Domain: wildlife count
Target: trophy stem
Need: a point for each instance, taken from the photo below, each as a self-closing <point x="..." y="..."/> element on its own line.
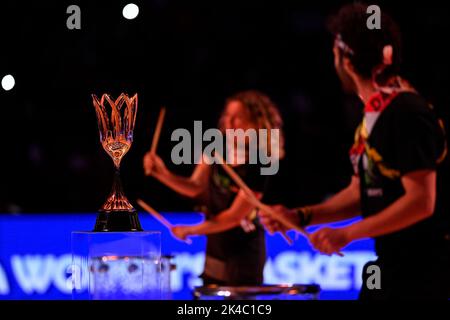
<point x="117" y="214"/>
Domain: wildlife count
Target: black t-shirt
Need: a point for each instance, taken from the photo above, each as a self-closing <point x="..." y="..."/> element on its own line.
<point x="408" y="137"/>
<point x="242" y="253"/>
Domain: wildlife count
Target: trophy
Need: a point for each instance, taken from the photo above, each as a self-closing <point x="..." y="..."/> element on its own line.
<point x="116" y="120"/>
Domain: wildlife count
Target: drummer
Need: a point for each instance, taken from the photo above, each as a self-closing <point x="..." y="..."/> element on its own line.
<point x="398" y="155"/>
<point x="234" y="256"/>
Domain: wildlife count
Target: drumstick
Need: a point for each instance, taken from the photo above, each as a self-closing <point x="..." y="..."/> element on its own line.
<point x="258" y="204"/>
<point x="275" y="215"/>
<point x="155" y="214"/>
<point x="254" y="201"/>
<point x="157" y="134"/>
<point x="158" y="217"/>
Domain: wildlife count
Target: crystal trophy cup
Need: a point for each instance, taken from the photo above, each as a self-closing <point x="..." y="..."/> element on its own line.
<point x="116" y="120"/>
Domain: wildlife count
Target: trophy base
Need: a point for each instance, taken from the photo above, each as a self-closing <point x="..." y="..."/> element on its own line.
<point x="117" y="221"/>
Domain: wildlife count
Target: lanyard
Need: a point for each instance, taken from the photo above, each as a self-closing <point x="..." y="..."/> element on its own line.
<point x="376" y="104"/>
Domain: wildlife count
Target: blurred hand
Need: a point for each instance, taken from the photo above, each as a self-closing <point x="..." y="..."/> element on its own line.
<point x="181" y="232"/>
<point x="273" y="225"/>
<point x="154" y="165"/>
<point x="329" y="240"/>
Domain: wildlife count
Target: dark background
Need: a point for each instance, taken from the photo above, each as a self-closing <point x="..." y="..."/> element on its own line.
<point x="188" y="56"/>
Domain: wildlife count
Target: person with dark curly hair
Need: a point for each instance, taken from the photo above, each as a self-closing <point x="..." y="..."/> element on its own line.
<point x="235" y="249"/>
<point x="397" y="156"/>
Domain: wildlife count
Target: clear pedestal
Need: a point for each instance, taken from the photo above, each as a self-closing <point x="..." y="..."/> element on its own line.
<point x="116" y="265"/>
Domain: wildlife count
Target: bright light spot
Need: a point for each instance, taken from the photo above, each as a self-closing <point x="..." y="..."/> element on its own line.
<point x="130" y="11"/>
<point x="224" y="293"/>
<point x="8" y="82"/>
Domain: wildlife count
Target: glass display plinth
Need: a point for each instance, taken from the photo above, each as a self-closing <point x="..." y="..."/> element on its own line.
<point x="116" y="265"/>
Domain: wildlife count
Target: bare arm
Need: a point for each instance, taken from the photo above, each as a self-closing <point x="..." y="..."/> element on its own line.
<point x="187" y="186"/>
<point x="415" y="205"/>
<point x="191" y="186"/>
<point x="342" y="206"/>
<point x="227" y="219"/>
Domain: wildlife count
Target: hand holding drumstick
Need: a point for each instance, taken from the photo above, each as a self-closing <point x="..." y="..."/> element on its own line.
<point x="316" y="239"/>
<point x="163" y="221"/>
<point x="251" y="196"/>
<point x="287" y="223"/>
